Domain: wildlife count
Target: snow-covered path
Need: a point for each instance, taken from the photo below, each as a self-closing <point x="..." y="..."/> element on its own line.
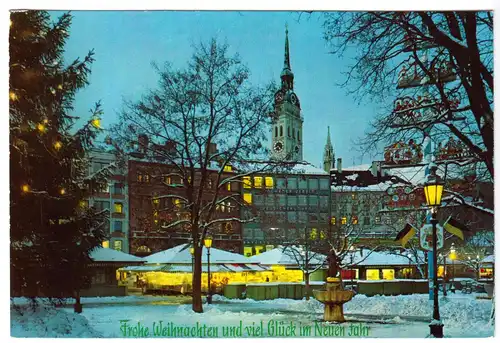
<point x="463" y="316"/>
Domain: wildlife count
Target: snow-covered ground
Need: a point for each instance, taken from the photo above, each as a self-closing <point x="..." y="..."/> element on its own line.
<point x="384" y="316"/>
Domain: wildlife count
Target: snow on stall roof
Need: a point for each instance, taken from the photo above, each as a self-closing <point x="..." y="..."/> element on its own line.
<point x="488" y="259"/>
<point x="181" y="254"/>
<point x="306" y="168"/>
<point x="361" y="167"/>
<point x="110" y="255"/>
<point x="378" y="258"/>
<point x="379" y="187"/>
<point x="277" y="256"/>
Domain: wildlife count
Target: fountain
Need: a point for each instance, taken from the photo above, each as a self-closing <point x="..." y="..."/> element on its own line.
<point x="335" y="295"/>
<point x="334" y="298"/>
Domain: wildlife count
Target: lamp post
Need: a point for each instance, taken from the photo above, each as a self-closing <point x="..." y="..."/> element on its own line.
<point x="191" y="251"/>
<point x="444" y="274"/>
<point x="433" y="190"/>
<point x="453" y="256"/>
<point x="208" y="245"/>
<point x="410" y="271"/>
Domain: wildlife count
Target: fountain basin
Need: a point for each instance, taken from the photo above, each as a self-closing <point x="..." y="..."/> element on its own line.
<point x="334" y="298"/>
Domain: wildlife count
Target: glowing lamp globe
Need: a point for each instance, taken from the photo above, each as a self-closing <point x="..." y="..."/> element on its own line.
<point x="433" y="189"/>
<point x="191" y="250"/>
<point x="208" y="242"/>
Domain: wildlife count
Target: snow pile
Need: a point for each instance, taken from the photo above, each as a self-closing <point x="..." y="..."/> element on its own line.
<point x="47" y="321"/>
<point x="110" y="255"/>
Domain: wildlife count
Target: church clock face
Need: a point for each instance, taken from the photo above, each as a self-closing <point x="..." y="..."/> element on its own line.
<point x="294" y="99"/>
<point x="297" y="149"/>
<point x="279" y="97"/>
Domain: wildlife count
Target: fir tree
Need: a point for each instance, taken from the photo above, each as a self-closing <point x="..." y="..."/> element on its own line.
<point x="52" y="232"/>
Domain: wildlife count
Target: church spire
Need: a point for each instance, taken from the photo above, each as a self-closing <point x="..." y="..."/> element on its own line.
<point x="328" y="154"/>
<point x="286" y="74"/>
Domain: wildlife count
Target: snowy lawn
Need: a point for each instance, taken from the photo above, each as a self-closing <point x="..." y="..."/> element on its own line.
<point x="378" y="316"/>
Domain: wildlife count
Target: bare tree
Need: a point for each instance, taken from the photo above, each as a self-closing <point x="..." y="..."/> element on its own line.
<point x="208" y="124"/>
<point x="451" y="53"/>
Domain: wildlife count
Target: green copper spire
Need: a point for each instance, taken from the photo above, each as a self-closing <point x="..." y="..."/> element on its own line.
<point x="286" y="74"/>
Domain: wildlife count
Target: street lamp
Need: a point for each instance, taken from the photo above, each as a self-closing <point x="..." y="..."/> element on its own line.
<point x="444" y="273"/>
<point x="433" y="190"/>
<point x="453" y="256"/>
<point x="208" y="245"/>
<point x="191" y="251"/>
<point x="410" y="271"/>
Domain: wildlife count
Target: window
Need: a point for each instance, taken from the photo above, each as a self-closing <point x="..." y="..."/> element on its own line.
<point x="118" y="225"/>
<point x="228" y="168"/>
<point x="388" y="274"/>
<point x="257" y="181"/>
<point x="97" y="166"/>
<point x="118" y="188"/>
<point x="269" y="200"/>
<point x="344" y="221"/>
<point x="117" y="245"/>
<point x="259" y="199"/>
<point x="84" y="204"/>
<point x="377" y="220"/>
<point x="269" y="182"/>
<point x="323" y="217"/>
<point x="156" y="203"/>
<point x="323" y="200"/>
<point x="298" y="135"/>
<point x="209" y="183"/>
<point x="313" y="200"/>
<point x="247" y="183"/>
<point x="228" y="186"/>
<point x="292" y="200"/>
<point x="313" y="233"/>
<point x="353" y="196"/>
<point x="247" y="197"/>
<point x="118" y="207"/>
<point x="313" y="217"/>
<point x="281" y="131"/>
<point x="388" y="221"/>
<point x="313" y="184"/>
<point x="302" y="200"/>
<point x="293" y="133"/>
<point x="292" y="217"/>
<point x="281" y="183"/>
<point x="177" y="203"/>
<point x="101" y="205"/>
<point x="105" y="244"/>
<point x="372" y="274"/>
<point x="302" y="217"/>
<point x="275" y="131"/>
<point x="302" y="182"/>
<point x="366" y="221"/>
<point x="292" y="183"/>
<point x="166" y="180"/>
<point x="282" y="199"/>
<point x="288" y="131"/>
<point x="355" y="220"/>
<point x="333" y="220"/>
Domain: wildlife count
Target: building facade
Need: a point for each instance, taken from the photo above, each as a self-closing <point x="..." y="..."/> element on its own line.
<point x="153" y="210"/>
<point x="114" y="198"/>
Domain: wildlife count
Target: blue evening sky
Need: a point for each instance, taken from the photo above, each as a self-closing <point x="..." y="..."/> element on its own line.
<point x="126" y="42"/>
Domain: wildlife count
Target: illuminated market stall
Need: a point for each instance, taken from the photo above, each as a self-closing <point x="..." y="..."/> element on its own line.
<point x="287" y="264"/>
<point x="171" y="270"/>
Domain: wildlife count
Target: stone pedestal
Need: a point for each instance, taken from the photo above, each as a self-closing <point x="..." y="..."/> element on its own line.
<point x="334" y="298"/>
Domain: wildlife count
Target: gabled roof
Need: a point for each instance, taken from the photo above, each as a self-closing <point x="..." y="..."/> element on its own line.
<point x="181" y="254"/>
<point x="279" y="257"/>
<point x="110" y="255"/>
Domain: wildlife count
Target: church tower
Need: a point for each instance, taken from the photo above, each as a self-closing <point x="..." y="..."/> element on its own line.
<point x="287" y="120"/>
<point x="328" y="154"/>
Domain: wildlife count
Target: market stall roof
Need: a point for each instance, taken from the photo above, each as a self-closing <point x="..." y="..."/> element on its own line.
<point x="110" y="255"/>
<point x="141" y="268"/>
<point x="285" y="256"/>
<point x="488" y="259"/>
<point x="181" y="254"/>
<point x="367" y="257"/>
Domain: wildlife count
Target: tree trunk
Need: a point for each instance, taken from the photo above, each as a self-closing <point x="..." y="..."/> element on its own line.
<point x="78" y="306"/>
<point x="196" y="293"/>
<point x="307" y="287"/>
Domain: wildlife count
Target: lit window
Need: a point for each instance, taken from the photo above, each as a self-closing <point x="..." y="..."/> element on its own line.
<point x="257" y="181"/>
<point x="167" y="180"/>
<point x="333" y="220"/>
<point x="388" y="221"/>
<point x="156" y="203"/>
<point x="388" y="274"/>
<point x="355" y="220"/>
<point x="209" y="183"/>
<point x="228" y="206"/>
<point x="228" y="186"/>
<point x="228" y="168"/>
<point x="247" y="183"/>
<point x="322" y="235"/>
<point x="145" y="178"/>
<point x="314" y="234"/>
<point x="247" y="197"/>
<point x="353" y="196"/>
<point x="105" y="244"/>
<point x="117" y="245"/>
<point x="269" y="182"/>
<point x="177" y="203"/>
<point x="118" y="207"/>
<point x="139" y="177"/>
<point x="344" y="220"/>
<point x="118" y="226"/>
<point x="377" y="220"/>
<point x="372" y="274"/>
<point x="155" y="213"/>
<point x="84" y="203"/>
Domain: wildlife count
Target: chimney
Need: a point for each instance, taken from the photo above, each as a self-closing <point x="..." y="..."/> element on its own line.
<point x="339" y="165"/>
